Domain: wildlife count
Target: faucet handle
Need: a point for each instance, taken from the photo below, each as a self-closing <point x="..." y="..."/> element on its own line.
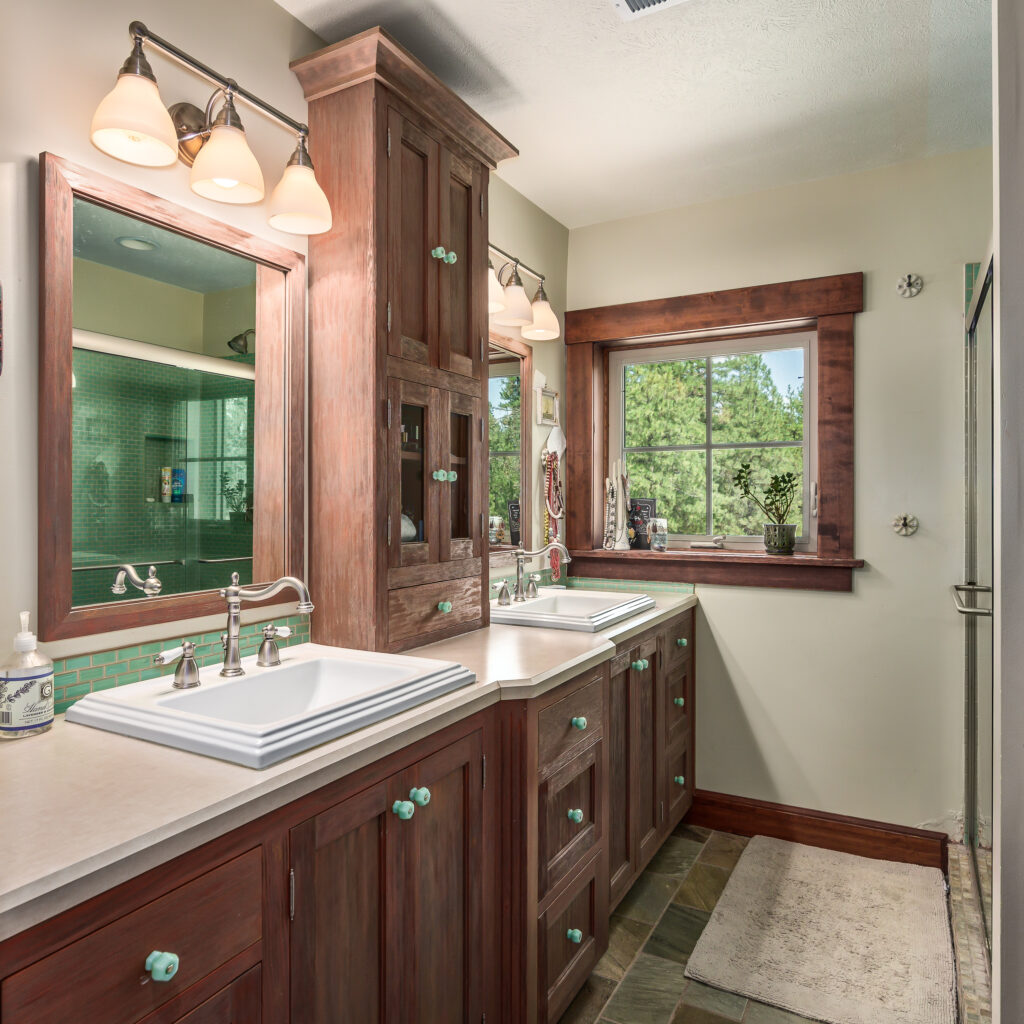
<point x="531" y="586"/>
<point x="166" y="657"/>
<point x="503" y="595"/>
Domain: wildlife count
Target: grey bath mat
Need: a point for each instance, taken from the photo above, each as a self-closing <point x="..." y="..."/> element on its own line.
<point x="831" y="936"/>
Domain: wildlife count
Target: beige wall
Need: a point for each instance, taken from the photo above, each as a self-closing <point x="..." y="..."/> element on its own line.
<point x="226" y="314"/>
<point x="846" y="703"/>
<point x="57" y="60"/>
<point x="526" y="231"/>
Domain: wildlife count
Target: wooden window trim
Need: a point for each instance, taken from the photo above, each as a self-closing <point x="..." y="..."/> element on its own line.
<point x="826" y="303"/>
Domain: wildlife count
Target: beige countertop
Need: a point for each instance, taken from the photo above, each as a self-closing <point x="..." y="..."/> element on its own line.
<point x="83" y="809"/>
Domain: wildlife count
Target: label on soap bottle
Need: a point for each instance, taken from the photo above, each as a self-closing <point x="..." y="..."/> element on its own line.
<point x="26" y="701"/>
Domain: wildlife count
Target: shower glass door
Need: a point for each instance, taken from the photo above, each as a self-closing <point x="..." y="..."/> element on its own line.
<point x="973" y="596"/>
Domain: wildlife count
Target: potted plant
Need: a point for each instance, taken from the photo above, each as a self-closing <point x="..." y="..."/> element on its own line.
<point x="776" y="504"/>
<point x="236" y="496"/>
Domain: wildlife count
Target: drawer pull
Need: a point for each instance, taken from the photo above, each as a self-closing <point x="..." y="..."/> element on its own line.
<point x="574" y="935"/>
<point x="681" y="641"/>
<point x="679" y="701"/>
<point x="579" y="723"/>
<point x="162" y="966"/>
<point x="404" y="809"/>
<point x="680" y="780"/>
<point x="576" y="815"/>
<point x="444" y="607"/>
<point x="420" y="796"/>
<point x="438" y="252"/>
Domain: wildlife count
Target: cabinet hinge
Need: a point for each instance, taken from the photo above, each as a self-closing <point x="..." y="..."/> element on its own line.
<point x="483" y="352"/>
<point x="389" y="143"/>
<point x="481" y="429"/>
<point x="814" y="500"/>
<point x="389" y="317"/>
<point x="291" y="894"/>
<point x="389" y="531"/>
<point x="483" y="523"/>
<point x="481" y="204"/>
<point x="662" y="810"/>
<point x="389" y="414"/>
<point x="483" y="772"/>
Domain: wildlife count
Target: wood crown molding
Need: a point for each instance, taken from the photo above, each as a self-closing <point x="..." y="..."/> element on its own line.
<point x="861" y="836"/>
<point x="374" y="54"/>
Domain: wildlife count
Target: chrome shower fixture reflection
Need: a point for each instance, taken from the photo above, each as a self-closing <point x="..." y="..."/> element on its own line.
<point x="240" y="342"/>
<point x="132" y="124"/>
<point x="150" y="586"/>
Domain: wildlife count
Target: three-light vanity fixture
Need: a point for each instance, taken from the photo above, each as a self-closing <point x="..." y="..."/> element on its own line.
<point x="509" y="306"/>
<point x="132" y="124"/>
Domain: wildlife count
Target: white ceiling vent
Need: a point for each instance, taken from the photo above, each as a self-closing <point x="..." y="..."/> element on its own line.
<point x="630" y="10"/>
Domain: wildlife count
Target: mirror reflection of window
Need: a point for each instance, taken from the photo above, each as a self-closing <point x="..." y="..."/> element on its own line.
<point x="504" y="403"/>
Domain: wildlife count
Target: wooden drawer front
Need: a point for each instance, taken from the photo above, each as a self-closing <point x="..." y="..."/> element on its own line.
<point x="102" y="977"/>
<point x="564" y="965"/>
<point x="414" y="611"/>
<point x="678" y="692"/>
<point x="679" y="765"/>
<point x="237" y="1003"/>
<point x="557" y="735"/>
<point x="577" y="788"/>
<point x="678" y="640"/>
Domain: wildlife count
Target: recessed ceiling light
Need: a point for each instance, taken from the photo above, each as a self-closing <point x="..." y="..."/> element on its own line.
<point x="137" y="244"/>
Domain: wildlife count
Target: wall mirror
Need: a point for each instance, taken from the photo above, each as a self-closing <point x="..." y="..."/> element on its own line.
<point x="171" y="406"/>
<point x="510" y="455"/>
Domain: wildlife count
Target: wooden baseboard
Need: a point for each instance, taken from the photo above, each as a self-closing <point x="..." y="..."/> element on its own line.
<point x="865" y="838"/>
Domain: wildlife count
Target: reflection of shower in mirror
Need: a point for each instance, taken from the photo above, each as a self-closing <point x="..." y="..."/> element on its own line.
<point x="240" y="342"/>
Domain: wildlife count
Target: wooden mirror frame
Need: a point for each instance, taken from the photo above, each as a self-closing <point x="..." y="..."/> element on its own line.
<point x="522" y="352"/>
<point x="279" y="469"/>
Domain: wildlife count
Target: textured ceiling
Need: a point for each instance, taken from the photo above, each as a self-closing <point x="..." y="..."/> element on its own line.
<point x="705" y="99"/>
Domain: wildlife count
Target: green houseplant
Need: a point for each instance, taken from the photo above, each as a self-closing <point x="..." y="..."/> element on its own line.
<point x="776" y="503"/>
<point x="237" y="497"/>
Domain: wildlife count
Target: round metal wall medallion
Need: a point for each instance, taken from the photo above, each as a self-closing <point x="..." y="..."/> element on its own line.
<point x="905" y="524"/>
<point x="910" y="285"/>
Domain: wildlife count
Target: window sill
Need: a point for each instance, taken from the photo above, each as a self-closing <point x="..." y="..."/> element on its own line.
<point x="729" y="568"/>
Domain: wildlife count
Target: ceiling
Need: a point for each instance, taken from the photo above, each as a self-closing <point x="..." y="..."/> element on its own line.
<point x="174" y="259"/>
<point x="701" y="100"/>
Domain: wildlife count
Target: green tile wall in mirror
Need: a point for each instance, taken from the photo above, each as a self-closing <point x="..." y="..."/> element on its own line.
<point x="173" y="362"/>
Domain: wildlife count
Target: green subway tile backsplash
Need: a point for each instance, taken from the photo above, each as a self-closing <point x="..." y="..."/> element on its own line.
<point x="76" y="676"/>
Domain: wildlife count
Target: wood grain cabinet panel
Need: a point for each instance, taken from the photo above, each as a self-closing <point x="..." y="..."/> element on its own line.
<point x="677" y="699"/>
<point x="571" y="722"/>
<point x="238" y="1003"/>
<point x="205" y="923"/>
<point x="648" y="793"/>
<point x="620" y="727"/>
<point x="413" y="612"/>
<point x="678" y="780"/>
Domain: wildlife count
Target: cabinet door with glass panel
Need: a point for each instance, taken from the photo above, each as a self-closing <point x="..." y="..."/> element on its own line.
<point x="684" y="418"/>
<point x="461" y="516"/>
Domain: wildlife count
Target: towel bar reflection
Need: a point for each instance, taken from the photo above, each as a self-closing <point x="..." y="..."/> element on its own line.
<point x="970" y="588"/>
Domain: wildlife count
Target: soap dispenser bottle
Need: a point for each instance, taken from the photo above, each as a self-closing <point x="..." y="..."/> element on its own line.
<point x="26" y="688"/>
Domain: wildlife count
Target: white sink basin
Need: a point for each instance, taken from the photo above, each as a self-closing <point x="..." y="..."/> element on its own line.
<point x="583" y="610"/>
<point x="316" y="694"/>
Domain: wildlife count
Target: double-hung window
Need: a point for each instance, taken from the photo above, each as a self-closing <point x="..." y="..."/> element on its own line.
<point x="504" y="460"/>
<point x="682" y="419"/>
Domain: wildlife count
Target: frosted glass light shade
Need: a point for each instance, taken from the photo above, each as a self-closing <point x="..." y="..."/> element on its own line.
<point x="132" y="124"/>
<point x="298" y="204"/>
<point x="495" y="293"/>
<point x="517" y="312"/>
<point x="225" y="169"/>
<point x="545" y="323"/>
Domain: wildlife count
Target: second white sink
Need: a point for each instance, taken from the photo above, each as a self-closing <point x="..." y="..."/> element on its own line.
<point x="583" y="610"/>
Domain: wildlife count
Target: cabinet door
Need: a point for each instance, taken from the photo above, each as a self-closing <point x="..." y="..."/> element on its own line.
<point x="440" y="887"/>
<point x="462" y="282"/>
<point x="344" y="932"/>
<point x="647" y="778"/>
<point x="461" y="526"/>
<point x="412" y="215"/>
<point x="619" y="730"/>
<point x="416" y="451"/>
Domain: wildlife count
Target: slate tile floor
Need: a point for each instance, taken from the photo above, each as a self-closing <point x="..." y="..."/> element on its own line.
<point x="653" y="931"/>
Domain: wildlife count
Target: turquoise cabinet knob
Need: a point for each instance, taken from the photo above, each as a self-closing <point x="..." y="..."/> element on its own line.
<point x="420" y="795"/>
<point x="646" y="664"/>
<point x="439" y="474"/>
<point x="450" y="258"/>
<point x="452" y="476"/>
<point x="679" y="701"/>
<point x="404" y="809"/>
<point x="444" y="607"/>
<point x="681" y="641"/>
<point x="680" y="780"/>
<point x="637" y="666"/>
<point x="162" y="966"/>
<point x="438" y="252"/>
<point x="574" y="935"/>
<point x="579" y="723"/>
<point x="576" y="815"/>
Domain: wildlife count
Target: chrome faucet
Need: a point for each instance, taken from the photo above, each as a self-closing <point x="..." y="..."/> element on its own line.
<point x="519" y="594"/>
<point x="150" y="586"/>
<point x="235" y="595"/>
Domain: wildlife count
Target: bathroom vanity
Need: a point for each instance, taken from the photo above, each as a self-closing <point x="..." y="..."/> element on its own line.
<point x="456" y="862"/>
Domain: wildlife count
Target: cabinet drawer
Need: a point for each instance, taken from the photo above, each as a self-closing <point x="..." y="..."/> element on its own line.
<point x="678" y="640"/>
<point x="414" y="611"/>
<point x="237" y="1003"/>
<point x="580" y="912"/>
<point x="205" y="923"/>
<point x="679" y="795"/>
<point x="556" y="733"/>
<point x="678" y="691"/>
<point x="569" y="807"/>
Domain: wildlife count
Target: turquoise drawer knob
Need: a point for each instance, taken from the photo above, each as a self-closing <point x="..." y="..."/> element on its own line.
<point x="579" y="723"/>
<point x="440" y="474"/>
<point x="576" y="815"/>
<point x="679" y="701"/>
<point x="647" y="664"/>
<point x="680" y="780"/>
<point x="450" y="258"/>
<point x="404" y="809"/>
<point x="681" y="641"/>
<point x="637" y="666"/>
<point x="162" y="966"/>
<point x="452" y="476"/>
<point x="438" y="252"/>
<point x="420" y="795"/>
<point x="574" y="935"/>
<point x="444" y="607"/>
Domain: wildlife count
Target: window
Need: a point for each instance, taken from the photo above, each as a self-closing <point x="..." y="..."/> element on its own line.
<point x="683" y="419"/>
<point x="504" y="398"/>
